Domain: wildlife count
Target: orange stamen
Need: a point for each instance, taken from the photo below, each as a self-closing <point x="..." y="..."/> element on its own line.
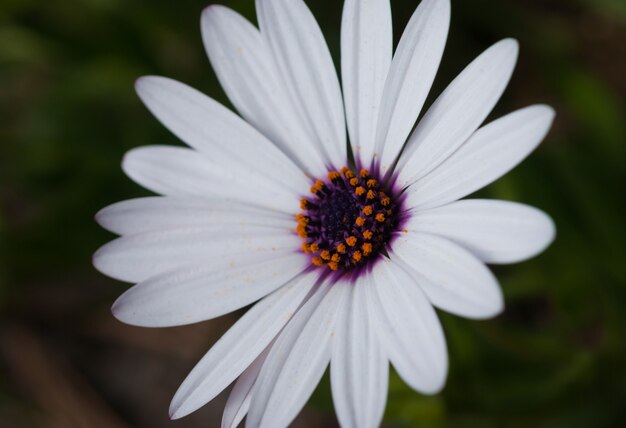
<point x="319" y="185"/>
<point x="359" y="191"/>
<point x="368" y="210"/>
<point x="351" y="241"/>
<point x="380" y="217"/>
<point x="301" y="231"/>
<point x="325" y="255"/>
<point x="367" y="249"/>
<point x="360" y="221"/>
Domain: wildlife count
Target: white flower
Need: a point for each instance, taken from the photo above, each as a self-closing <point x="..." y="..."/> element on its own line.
<point x="378" y="243"/>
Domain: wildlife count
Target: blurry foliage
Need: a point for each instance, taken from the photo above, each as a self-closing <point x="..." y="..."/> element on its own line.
<point x="555" y="358"/>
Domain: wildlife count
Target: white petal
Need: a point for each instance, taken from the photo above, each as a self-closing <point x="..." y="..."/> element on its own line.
<point x="245" y="68"/>
<point x="297" y="360"/>
<point x="306" y="68"/>
<point x="495" y="231"/>
<point x="134" y="258"/>
<point x="177" y="171"/>
<point x="206" y="291"/>
<point x="240" y="346"/>
<point x="409" y="328"/>
<point x="216" y="131"/>
<point x="490" y="153"/>
<point x="366" y="48"/>
<point x="155" y="213"/>
<point x="458" y="111"/>
<point x="411" y="75"/>
<point x="359" y="369"/>
<point x="240" y="397"/>
<point x="453" y="279"/>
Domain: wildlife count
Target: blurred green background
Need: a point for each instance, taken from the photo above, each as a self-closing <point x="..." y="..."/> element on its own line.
<point x="68" y="112"/>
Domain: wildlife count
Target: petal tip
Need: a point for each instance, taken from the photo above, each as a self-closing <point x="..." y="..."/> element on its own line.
<point x="131" y="158"/>
<point x="126" y="312"/>
<point x="436" y="386"/>
<point x="498" y="307"/>
<point x="118" y="309"/>
<point x="210" y="12"/>
<point x="103" y="218"/>
<point x="127" y="161"/>
<point x="543" y="110"/>
<point x="550" y="230"/>
<point x="98" y="217"/>
<point x="98" y="259"/>
<point x="513" y="44"/>
<point x="138" y="83"/>
<point x="146" y="84"/>
<point x="174" y="413"/>
<point x="510" y="42"/>
<point x="506" y="48"/>
<point x="141" y="83"/>
<point x="548" y="109"/>
<point x="177" y="409"/>
<point x="550" y="114"/>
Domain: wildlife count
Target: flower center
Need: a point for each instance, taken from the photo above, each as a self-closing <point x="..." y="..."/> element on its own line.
<point x="347" y="221"/>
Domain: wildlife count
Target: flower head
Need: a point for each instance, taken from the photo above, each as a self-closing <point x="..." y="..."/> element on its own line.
<point x="344" y="226"/>
<point x="346" y="247"/>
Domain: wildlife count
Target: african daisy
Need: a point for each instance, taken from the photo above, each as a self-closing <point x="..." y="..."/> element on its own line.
<point x="346" y="244"/>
